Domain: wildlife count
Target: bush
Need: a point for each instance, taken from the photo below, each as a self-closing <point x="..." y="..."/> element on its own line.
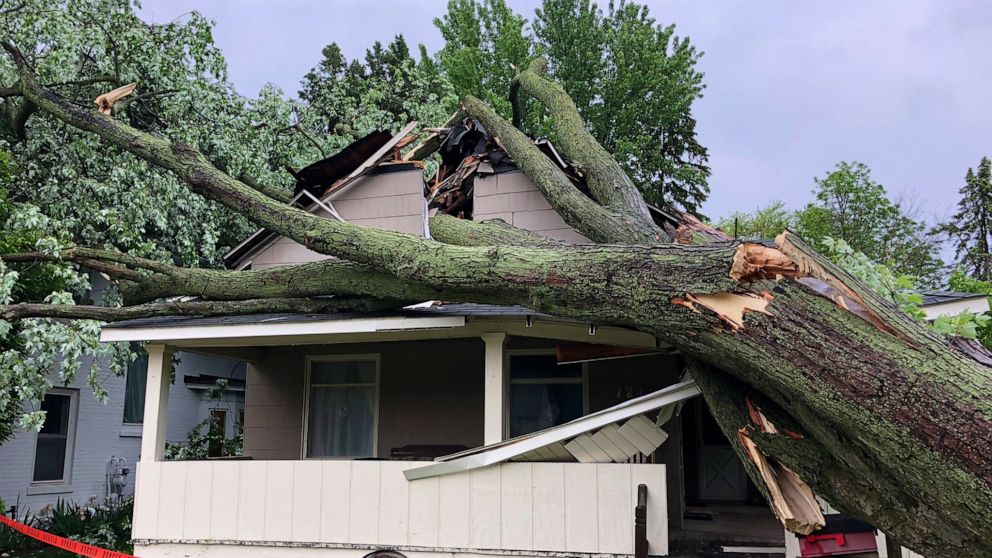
<point x="101" y="527"/>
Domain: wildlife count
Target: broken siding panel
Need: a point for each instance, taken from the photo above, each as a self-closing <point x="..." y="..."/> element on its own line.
<point x="513" y="198"/>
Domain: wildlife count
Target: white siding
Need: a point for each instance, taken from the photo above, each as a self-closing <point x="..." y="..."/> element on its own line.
<point x="557" y="507"/>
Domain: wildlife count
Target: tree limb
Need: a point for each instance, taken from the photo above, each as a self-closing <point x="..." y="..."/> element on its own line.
<point x="493" y="232"/>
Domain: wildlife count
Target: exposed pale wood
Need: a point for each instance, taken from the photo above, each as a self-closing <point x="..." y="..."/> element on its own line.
<point x="105" y="102"/>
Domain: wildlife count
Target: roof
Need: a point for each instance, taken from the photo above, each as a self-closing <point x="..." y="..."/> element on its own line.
<point x="435" y="309"/>
<point x="941" y="297"/>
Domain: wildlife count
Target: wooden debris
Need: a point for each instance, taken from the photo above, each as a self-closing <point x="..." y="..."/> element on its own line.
<point x="791" y="499"/>
<point x="105" y="102"/>
<point x="728" y="307"/>
<point x="757" y="261"/>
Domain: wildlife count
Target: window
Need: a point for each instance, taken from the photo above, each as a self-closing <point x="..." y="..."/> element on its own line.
<point x="134" y="390"/>
<point x="543" y="393"/>
<point x="53" y="452"/>
<point x="342" y="406"/>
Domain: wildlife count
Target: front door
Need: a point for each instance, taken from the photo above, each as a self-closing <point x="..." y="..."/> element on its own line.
<point x="721" y="476"/>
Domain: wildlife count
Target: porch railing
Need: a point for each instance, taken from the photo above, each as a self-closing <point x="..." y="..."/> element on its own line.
<point x="501" y="509"/>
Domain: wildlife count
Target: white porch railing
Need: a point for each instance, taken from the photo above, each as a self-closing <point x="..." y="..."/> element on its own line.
<point x="505" y="508"/>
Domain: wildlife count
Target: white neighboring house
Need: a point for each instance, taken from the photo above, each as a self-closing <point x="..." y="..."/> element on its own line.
<point x="949" y="303"/>
<point x="70" y="458"/>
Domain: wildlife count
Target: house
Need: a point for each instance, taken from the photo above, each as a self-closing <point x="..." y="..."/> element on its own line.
<point x="949" y="303"/>
<point x="440" y="428"/>
<point x="86" y="451"/>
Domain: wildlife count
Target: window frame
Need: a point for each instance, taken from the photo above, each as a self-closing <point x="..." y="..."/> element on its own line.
<point x="508" y="382"/>
<point x="37" y="487"/>
<point x="308" y="386"/>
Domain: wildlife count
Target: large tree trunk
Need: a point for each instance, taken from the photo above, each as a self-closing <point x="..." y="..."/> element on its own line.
<point x="820" y="385"/>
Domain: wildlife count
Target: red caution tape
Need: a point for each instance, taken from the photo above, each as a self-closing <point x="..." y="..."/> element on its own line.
<point x="75" y="547"/>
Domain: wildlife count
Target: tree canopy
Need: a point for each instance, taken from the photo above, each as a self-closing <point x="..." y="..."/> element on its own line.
<point x="633" y="80"/>
<point x="971" y="226"/>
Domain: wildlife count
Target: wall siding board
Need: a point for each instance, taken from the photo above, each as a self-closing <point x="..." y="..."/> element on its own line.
<point x="581" y="519"/>
<point x="199" y="499"/>
<point x="616" y="510"/>
<point x="454" y="517"/>
<point x="171" y="493"/>
<point x="549" y="506"/>
<point x="484" y="531"/>
<point x="364" y="516"/>
<point x="654" y="477"/>
<point x="307" y="489"/>
<point x="279" y="501"/>
<point x="224" y="505"/>
<point x="145" y="522"/>
<point x="335" y="498"/>
<point x="251" y="500"/>
<point x="425" y="511"/>
<point x="516" y="506"/>
<point x="394" y="503"/>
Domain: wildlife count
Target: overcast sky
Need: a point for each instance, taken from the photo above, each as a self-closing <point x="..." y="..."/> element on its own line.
<point x="792" y="87"/>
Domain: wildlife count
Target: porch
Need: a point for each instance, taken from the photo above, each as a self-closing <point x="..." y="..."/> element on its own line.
<point x="341" y="411"/>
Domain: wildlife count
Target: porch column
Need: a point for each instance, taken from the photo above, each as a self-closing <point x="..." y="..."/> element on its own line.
<point x="495" y="385"/>
<point x="156" y="402"/>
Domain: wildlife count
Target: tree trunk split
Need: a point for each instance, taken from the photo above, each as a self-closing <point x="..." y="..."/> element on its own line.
<point x="821" y="386"/>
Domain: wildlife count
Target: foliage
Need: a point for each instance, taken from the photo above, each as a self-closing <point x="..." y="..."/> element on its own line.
<point x="901" y="290"/>
<point x="766" y="222"/>
<point x="201" y="438"/>
<point x="852" y="207"/>
<point x="971" y="227"/>
<point x="345" y="100"/>
<point x="633" y="81"/>
<point x="960" y="281"/>
<point x="485" y="43"/>
<point x="108" y="528"/>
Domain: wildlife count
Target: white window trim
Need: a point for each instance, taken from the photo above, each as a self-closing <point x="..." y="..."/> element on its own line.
<point x="64" y="484"/>
<point x="508" y="382"/>
<point x="375" y="357"/>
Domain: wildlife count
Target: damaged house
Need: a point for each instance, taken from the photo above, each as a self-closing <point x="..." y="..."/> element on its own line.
<point x="443" y="428"/>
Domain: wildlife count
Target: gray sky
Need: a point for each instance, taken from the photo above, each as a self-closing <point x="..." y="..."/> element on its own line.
<point x="792" y="87"/>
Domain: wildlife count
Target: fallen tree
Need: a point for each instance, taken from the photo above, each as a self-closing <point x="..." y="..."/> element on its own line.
<point x="822" y="386"/>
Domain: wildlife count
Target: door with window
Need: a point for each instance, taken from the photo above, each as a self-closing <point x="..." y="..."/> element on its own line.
<point x="543" y="393"/>
<point x="342" y="407"/>
<point x="54" y="448"/>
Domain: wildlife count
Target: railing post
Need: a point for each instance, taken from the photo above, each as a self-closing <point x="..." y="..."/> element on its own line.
<point x="641" y="522"/>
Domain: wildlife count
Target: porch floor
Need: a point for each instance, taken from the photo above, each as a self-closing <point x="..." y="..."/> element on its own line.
<point x="731" y="525"/>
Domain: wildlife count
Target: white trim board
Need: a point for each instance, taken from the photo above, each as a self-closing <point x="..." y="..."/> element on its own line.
<point x="282" y="329"/>
<point x="515" y="447"/>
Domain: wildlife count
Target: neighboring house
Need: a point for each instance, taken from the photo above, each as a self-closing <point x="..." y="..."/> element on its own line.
<point x="949" y="303"/>
<point x="439" y="428"/>
<point x="87" y="450"/>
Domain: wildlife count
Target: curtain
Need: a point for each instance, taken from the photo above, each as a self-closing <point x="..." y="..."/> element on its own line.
<point x="134" y="391"/>
<point x="342" y="421"/>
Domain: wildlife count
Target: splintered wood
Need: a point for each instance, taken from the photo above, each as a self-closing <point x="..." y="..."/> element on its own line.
<point x="105" y="102"/>
<point x="791" y="499"/>
<point x="728" y="307"/>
